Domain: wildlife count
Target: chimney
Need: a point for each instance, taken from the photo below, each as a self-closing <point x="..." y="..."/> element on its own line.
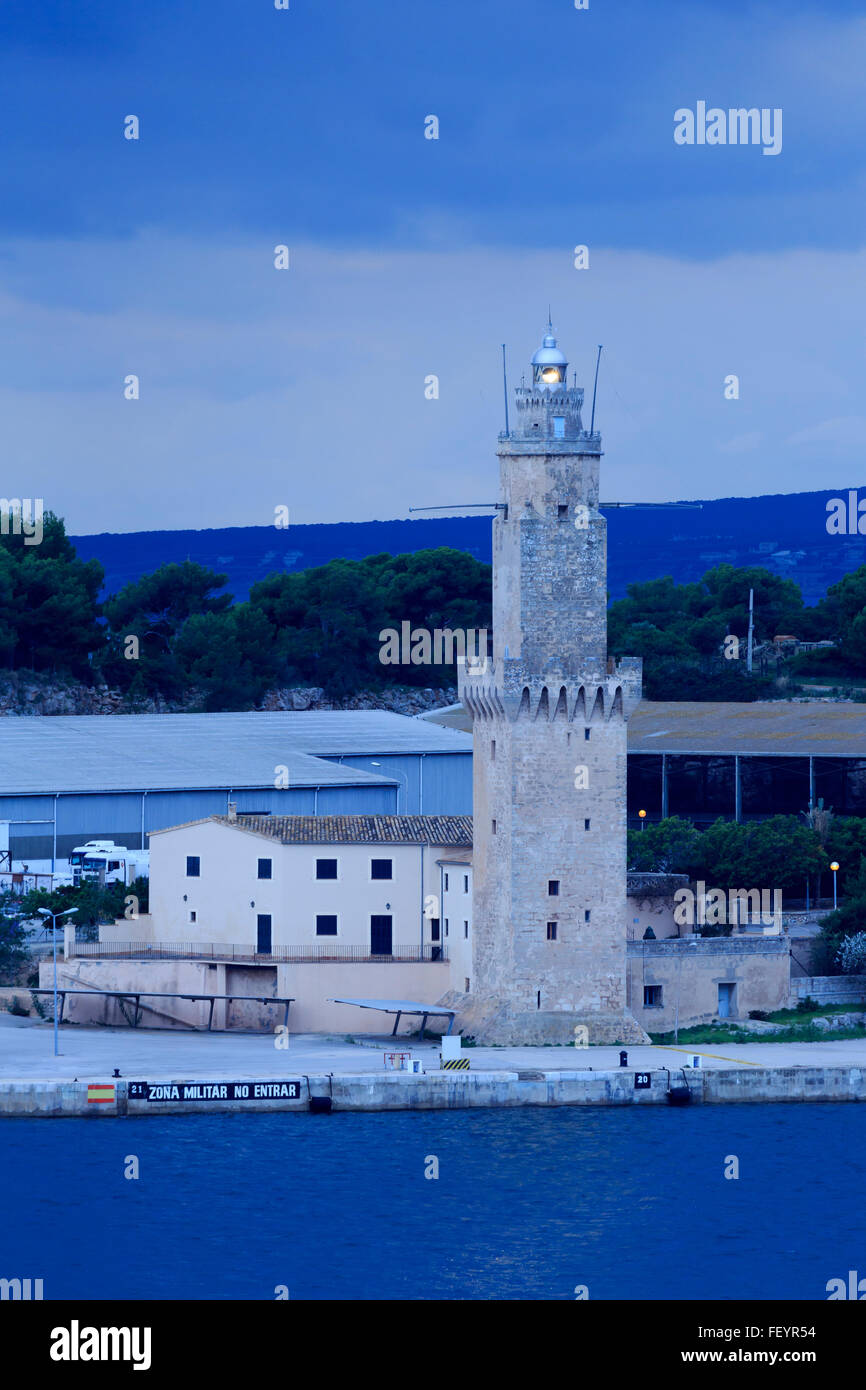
<point x="232" y="810"/>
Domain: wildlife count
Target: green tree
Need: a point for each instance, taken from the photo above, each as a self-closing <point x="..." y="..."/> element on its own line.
<point x="231" y="656"/>
<point x="843" y="614"/>
<point x="845" y="843"/>
<point x="778" y="853"/>
<point x="13" y="953"/>
<point x="778" y="603"/>
<point x="93" y="903"/>
<point x="328" y="619"/>
<point x="49" y="603"/>
<point x="680" y="629"/>
<point x="667" y="846"/>
<point x="154" y="609"/>
<point x="668" y="680"/>
<point x="327" y="622"/>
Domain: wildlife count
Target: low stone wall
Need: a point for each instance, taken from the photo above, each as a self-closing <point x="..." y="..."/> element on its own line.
<point x="829" y="989"/>
<point x="462" y="1090"/>
<point x="311" y="985"/>
<point x="124" y="929"/>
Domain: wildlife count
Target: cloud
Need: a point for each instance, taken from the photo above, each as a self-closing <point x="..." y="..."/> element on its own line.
<point x="741" y="443"/>
<point x="848" y="431"/>
<point x="306" y="387"/>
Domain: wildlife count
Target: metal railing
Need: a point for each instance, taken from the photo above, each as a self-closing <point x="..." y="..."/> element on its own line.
<point x="218" y="950"/>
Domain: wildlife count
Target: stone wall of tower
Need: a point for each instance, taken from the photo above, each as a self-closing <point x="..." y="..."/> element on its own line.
<point x="549" y="562"/>
<point x="540" y="786"/>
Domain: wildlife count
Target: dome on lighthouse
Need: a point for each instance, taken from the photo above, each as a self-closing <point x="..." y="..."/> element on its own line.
<point x="548" y="363"/>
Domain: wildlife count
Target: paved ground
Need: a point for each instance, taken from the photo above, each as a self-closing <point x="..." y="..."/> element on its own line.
<point x="26" y="1053"/>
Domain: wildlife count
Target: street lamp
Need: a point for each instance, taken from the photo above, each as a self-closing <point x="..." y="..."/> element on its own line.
<point x="395" y="772"/>
<point x="67" y="912"/>
<point x="642" y="815"/>
<point x="835" y="867"/>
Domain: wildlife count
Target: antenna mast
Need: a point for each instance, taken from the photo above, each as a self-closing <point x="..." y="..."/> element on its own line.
<point x="594" y="390"/>
<point x="505" y="387"/>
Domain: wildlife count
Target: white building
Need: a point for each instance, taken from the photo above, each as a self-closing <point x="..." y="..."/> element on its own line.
<point x="308" y="887"/>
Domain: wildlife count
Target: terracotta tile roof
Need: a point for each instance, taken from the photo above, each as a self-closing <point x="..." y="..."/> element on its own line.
<point x="358" y="830"/>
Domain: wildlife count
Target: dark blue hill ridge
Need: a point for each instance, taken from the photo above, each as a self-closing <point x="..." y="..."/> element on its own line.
<point x="785" y="532"/>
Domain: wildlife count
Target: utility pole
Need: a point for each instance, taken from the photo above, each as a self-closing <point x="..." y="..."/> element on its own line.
<point x="751" y="629"/>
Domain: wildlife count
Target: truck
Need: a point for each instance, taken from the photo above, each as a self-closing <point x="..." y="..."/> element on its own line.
<point x="102" y="861"/>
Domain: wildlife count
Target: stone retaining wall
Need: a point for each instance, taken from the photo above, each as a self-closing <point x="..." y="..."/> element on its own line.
<point x="829" y="989"/>
<point x="462" y="1090"/>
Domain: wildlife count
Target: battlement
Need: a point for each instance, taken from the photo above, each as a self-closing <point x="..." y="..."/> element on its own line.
<point x="596" y="697"/>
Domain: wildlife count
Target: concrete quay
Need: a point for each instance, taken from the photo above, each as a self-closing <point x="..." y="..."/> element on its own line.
<point x="171" y="1073"/>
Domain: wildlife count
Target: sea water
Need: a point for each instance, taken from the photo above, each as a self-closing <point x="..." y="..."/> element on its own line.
<point x="625" y="1203"/>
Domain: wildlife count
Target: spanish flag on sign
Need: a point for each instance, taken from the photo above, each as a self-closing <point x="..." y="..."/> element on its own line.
<point x="102" y="1094"/>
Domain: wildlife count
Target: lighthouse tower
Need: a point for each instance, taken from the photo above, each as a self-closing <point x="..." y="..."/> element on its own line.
<point x="549" y="719"/>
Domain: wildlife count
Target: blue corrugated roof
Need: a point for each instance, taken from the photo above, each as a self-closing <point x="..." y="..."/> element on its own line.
<point x="86" y="753"/>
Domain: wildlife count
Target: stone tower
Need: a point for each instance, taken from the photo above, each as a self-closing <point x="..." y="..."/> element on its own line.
<point x="549" y="719"/>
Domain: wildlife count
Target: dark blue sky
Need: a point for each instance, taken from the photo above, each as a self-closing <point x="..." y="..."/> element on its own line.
<point x="412" y="256"/>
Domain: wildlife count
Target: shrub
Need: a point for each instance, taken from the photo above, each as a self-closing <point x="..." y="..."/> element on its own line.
<point x="851" y="955"/>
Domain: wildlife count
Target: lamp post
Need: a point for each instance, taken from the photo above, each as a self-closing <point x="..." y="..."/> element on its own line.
<point x="67" y="912"/>
<point x="395" y="772"/>
<point x="835" y="867"/>
<point x="642" y="815"/>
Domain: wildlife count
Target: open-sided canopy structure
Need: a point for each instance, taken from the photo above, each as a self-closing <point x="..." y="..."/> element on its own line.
<point x="403" y="1006"/>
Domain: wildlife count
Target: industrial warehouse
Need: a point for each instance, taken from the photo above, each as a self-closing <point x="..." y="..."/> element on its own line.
<point x="69" y="779"/>
<point x="737" y="761"/>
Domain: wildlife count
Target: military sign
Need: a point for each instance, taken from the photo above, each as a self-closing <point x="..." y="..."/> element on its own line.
<point x="214" y="1090"/>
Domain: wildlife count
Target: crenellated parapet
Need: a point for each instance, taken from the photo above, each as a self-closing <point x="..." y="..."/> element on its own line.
<point x="600" y="695"/>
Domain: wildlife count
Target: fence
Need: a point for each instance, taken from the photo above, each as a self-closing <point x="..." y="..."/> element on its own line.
<point x="218" y="950"/>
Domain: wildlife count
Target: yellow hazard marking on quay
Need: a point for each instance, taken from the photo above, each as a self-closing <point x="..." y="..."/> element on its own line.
<point x="716" y="1056"/>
